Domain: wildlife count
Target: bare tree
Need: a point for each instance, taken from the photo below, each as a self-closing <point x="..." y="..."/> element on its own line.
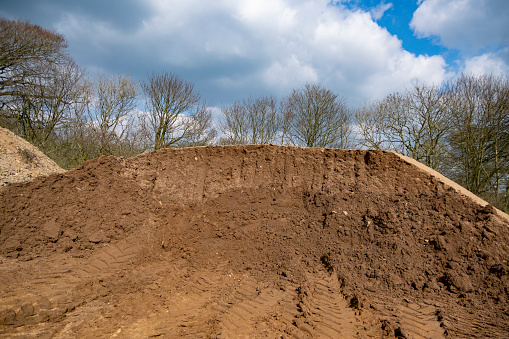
<point x="428" y="107"/>
<point x="40" y="85"/>
<point x="44" y="103"/>
<point x="103" y="126"/>
<point x="76" y="137"/>
<point x="27" y="52"/>
<point x="235" y="126"/>
<point x="414" y="123"/>
<point x="480" y="139"/>
<point x="371" y="126"/>
<point x="317" y="117"/>
<point x="200" y="127"/>
<point x="252" y="121"/>
<point x="174" y="107"/>
<point x="116" y="99"/>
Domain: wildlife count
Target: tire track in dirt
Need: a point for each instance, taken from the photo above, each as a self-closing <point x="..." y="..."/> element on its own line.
<point x="213" y="302"/>
<point x="32" y="309"/>
<point x="253" y="309"/>
<point x="108" y="258"/>
<point x="191" y="309"/>
<point x="419" y="321"/>
<point x="37" y="294"/>
<point x="192" y="313"/>
<point x="473" y="325"/>
<point x="60" y="289"/>
<point x="325" y="313"/>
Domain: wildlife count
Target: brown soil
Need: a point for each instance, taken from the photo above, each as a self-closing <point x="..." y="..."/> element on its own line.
<point x="250" y="242"/>
<point x="20" y="161"/>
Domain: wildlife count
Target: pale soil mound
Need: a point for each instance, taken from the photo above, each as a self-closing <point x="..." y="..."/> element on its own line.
<point x="250" y="242"/>
<point x="20" y="161"/>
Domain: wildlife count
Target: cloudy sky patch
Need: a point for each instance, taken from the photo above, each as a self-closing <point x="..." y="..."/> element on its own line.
<point x="362" y="49"/>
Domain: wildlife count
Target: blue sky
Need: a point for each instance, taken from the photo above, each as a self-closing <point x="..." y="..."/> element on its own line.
<point x="232" y="49"/>
<point x="396" y="19"/>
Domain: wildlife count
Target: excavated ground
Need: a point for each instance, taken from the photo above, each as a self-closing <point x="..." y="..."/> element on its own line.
<point x="250" y="242"/>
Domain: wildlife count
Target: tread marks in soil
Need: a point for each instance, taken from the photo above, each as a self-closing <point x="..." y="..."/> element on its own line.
<point x="109" y="257"/>
<point x="465" y="325"/>
<point x="193" y="307"/>
<point x="325" y="313"/>
<point x="62" y="289"/>
<point x="419" y="321"/>
<point x="252" y="308"/>
<point x="51" y="302"/>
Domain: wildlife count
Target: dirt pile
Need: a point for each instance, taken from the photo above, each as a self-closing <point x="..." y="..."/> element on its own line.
<point x="20" y="161"/>
<point x="251" y="242"/>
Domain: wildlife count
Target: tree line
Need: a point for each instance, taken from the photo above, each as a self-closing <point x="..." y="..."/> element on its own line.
<point x="459" y="128"/>
<point x="49" y="100"/>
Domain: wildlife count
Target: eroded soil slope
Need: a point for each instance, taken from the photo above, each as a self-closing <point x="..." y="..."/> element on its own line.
<point x="250" y="242"/>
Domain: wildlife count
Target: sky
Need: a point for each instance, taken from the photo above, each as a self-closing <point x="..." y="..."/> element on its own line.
<point x="233" y="49"/>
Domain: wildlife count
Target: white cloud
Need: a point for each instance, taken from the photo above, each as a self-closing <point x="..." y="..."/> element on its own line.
<point x="478" y="29"/>
<point x="234" y="49"/>
<point x="378" y="12"/>
<point x="404" y="69"/>
<point x="489" y="63"/>
<point x="283" y="75"/>
<point x="463" y="24"/>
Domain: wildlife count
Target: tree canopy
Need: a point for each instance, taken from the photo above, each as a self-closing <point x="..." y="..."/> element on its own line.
<point x="26" y="51"/>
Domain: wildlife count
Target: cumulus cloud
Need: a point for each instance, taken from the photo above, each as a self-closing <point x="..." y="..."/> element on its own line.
<point x="378" y="12"/>
<point x="283" y="75"/>
<point x="489" y="63"/>
<point x="477" y="28"/>
<point x="232" y="49"/>
<point x="463" y="24"/>
<point x="284" y="44"/>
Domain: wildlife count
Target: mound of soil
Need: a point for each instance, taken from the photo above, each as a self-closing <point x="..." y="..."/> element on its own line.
<point x="20" y="161"/>
<point x="251" y="242"/>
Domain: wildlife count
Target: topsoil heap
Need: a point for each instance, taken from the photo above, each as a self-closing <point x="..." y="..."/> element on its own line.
<point x="251" y="242"/>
